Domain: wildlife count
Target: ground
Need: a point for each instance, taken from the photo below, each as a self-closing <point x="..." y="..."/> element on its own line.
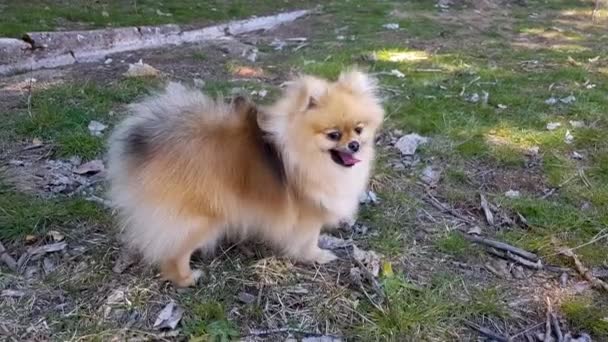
<point x="485" y="81"/>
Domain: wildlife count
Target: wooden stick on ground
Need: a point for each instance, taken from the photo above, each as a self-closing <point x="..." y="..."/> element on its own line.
<point x="548" y="321"/>
<point x="7" y="259"/>
<point x="502" y="246"/>
<point x="584" y="271"/>
<point x="488" y="333"/>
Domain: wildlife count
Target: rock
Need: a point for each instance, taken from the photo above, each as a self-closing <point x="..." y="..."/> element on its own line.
<point x="96" y="128"/>
<point x="568" y="99"/>
<point x="551" y="101"/>
<point x="198" y="82"/>
<point x="577" y="156"/>
<point x="141" y="69"/>
<point x="108" y="61"/>
<point x="368" y="197"/>
<point x="397" y="73"/>
<point x="563" y="280"/>
<point x="518" y="272"/>
<point x="246" y="298"/>
<point x="408" y="144"/>
<point x="577" y="124"/>
<point x="474" y="231"/>
<point x="551" y="126"/>
<point x="473" y="98"/>
<point x="512" y="194"/>
<point x="92" y="167"/>
<point x="117" y="297"/>
<point x="430" y="176"/>
<point x="501" y="106"/>
<point x="391" y="26"/>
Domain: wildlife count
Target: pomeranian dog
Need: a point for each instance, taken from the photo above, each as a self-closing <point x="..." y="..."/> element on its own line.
<point x="186" y="170"/>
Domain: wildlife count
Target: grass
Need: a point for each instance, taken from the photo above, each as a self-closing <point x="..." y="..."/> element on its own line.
<point x="22" y="215"/>
<point x="45" y="15"/>
<point x="445" y="64"/>
<point x="62" y="114"/>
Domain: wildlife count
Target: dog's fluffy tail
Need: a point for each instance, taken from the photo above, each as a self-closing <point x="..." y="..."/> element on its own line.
<point x="162" y="121"/>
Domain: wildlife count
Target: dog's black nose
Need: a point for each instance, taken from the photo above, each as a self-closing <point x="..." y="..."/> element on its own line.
<point x="353" y="146"/>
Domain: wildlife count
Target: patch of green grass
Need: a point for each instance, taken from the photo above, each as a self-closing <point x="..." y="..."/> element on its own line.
<point x="414" y="312"/>
<point x="454" y="244"/>
<point x="208" y="322"/>
<point x="62" y="114"/>
<point x="488" y="302"/>
<point x="586" y="316"/>
<point x="22" y="214"/>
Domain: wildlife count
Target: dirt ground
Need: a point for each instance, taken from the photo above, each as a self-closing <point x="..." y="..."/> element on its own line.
<point x="409" y="270"/>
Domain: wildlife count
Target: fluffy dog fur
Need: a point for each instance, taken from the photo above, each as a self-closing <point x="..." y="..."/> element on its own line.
<point x="186" y="170"/>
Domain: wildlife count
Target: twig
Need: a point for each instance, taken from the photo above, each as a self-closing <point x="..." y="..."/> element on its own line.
<point x="486" y="210"/>
<point x="265" y="332"/>
<point x="442" y="207"/>
<point x="7" y="259"/>
<point x="29" y="99"/>
<point x="584" y="271"/>
<point x="538" y="265"/>
<point x="548" y="321"/>
<point x="559" y="186"/>
<point x="599" y="236"/>
<point x="502" y="246"/>
<point x="488" y="333"/>
<point x="556" y="328"/>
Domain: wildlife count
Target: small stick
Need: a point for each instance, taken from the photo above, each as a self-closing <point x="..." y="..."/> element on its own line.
<point x="7" y="259"/>
<point x="502" y="246"/>
<point x="584" y="271"/>
<point x="442" y="207"/>
<point x="556" y="328"/>
<point x="486" y="210"/>
<point x="488" y="333"/>
<point x="548" y="322"/>
<point x="513" y="257"/>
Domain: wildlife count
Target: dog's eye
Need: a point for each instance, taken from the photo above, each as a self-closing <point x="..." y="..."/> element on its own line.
<point x="358" y="129"/>
<point x="335" y="135"/>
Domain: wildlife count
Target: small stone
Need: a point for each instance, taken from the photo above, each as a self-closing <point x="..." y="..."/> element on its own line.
<point x="568" y="99"/>
<point x="518" y="272"/>
<point x="577" y="156"/>
<point x="92" y="167"/>
<point x="141" y="69"/>
<point x="501" y="106"/>
<point x="563" y="280"/>
<point x="198" y="82"/>
<point x="391" y="26"/>
<point x="577" y="124"/>
<point x="551" y="126"/>
<point x="408" y="144"/>
<point x="512" y="194"/>
<point x="116" y="297"/>
<point x="430" y="175"/>
<point x="75" y="160"/>
<point x="108" y="61"/>
<point x="105" y="14"/>
<point x="476" y="230"/>
<point x="397" y="73"/>
<point x="96" y="128"/>
<point x="368" y="197"/>
<point x="551" y="101"/>
<point x="246" y="298"/>
<point x="473" y="98"/>
<point x="48" y="265"/>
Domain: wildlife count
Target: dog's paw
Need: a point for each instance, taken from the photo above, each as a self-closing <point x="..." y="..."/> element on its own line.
<point x="323" y="256"/>
<point x="189" y="280"/>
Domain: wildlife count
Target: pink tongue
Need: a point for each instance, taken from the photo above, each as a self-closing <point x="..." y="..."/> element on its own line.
<point x="348" y="159"/>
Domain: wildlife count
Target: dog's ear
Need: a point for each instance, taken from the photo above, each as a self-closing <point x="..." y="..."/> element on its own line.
<point x="358" y="82"/>
<point x="308" y="91"/>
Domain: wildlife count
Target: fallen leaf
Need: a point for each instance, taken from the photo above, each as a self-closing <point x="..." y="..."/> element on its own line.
<point x="387" y="269"/>
<point x="512" y="194"/>
<point x="370" y="259"/>
<point x="568" y="138"/>
<point x="96" y="128"/>
<point x="30" y="238"/>
<point x="245" y="71"/>
<point x="485" y="206"/>
<point x="551" y="126"/>
<point x="92" y="167"/>
<point x="57" y="236"/>
<point x="408" y="144"/>
<point x="116" y="297"/>
<point x="37" y="142"/>
<point x="169" y="316"/>
<point x="141" y="69"/>
<point x="163" y="14"/>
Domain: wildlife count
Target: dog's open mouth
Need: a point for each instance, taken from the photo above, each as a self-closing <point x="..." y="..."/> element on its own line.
<point x="343" y="158"/>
